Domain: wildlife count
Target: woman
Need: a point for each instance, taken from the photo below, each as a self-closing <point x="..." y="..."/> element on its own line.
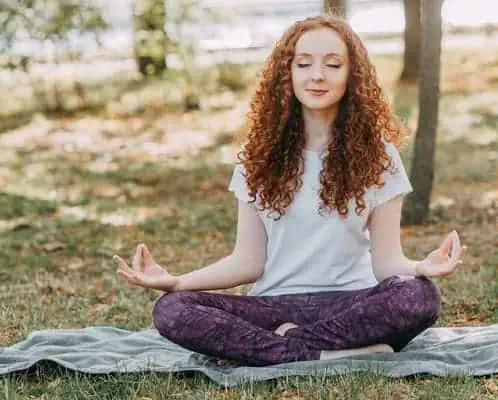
<point x="319" y="188"/>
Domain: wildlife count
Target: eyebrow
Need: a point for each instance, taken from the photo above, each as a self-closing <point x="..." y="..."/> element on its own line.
<point x="326" y="55"/>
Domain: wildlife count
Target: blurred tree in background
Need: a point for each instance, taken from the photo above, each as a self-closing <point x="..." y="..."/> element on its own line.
<point x="412" y="38"/>
<point x="335" y="6"/>
<point x="50" y="23"/>
<point x="185" y="14"/>
<point x="416" y="208"/>
<point x="150" y="39"/>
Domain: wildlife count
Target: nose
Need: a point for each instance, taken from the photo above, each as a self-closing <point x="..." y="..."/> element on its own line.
<point x="317" y="75"/>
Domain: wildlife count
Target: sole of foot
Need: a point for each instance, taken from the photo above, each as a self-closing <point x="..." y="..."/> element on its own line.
<point x="284" y="328"/>
<point x="375" y="348"/>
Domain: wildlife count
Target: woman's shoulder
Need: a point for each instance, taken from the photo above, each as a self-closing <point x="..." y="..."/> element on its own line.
<point x="389" y="145"/>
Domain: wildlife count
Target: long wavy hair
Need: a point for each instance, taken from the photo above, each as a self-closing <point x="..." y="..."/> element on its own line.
<point x="274" y="136"/>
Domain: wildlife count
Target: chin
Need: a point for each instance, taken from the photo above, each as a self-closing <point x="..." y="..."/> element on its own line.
<point x="318" y="106"/>
<point x="317" y="103"/>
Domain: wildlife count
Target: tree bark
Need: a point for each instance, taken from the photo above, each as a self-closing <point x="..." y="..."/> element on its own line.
<point x="149" y="19"/>
<point x="335" y="6"/>
<point x="412" y="36"/>
<point x="416" y="208"/>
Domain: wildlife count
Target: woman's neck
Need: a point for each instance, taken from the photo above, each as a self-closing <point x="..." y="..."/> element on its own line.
<point x="317" y="126"/>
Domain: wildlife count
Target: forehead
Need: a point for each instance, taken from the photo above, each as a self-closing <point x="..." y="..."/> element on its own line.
<point x="321" y="42"/>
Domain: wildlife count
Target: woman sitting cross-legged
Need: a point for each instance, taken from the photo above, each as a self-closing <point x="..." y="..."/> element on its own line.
<point x="320" y="185"/>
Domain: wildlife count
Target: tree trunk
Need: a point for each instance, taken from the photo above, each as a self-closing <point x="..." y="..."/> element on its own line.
<point x="335" y="6"/>
<point x="416" y="208"/>
<point x="412" y="35"/>
<point x="149" y="19"/>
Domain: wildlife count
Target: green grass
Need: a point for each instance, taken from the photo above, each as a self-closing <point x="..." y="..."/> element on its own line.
<point x="61" y="384"/>
<point x="61" y="220"/>
<point x="12" y="206"/>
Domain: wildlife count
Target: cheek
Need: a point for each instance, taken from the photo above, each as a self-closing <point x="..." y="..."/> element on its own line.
<point x="340" y="79"/>
<point x="298" y="78"/>
<point x="299" y="85"/>
<point x="339" y="85"/>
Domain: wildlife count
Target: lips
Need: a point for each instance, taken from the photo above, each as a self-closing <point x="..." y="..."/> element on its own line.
<point x="316" y="92"/>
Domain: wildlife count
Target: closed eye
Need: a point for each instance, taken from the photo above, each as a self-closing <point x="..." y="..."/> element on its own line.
<point x="328" y="65"/>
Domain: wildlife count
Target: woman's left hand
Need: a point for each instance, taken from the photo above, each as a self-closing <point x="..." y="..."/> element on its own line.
<point x="440" y="262"/>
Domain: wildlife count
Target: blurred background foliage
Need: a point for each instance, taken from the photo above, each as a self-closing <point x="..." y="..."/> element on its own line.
<point x="69" y="55"/>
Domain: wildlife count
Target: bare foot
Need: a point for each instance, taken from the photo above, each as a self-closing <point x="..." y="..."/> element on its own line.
<point x="284" y="328"/>
<point x="375" y="348"/>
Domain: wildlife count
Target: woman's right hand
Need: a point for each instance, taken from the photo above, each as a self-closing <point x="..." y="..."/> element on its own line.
<point x="145" y="272"/>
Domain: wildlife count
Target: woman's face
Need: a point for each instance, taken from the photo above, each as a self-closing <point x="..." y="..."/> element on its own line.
<point x="320" y="69"/>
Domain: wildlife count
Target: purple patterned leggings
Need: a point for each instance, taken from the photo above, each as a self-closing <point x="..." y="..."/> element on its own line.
<point x="241" y="328"/>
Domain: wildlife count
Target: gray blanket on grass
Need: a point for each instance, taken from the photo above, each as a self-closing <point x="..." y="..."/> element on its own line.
<point x="105" y="349"/>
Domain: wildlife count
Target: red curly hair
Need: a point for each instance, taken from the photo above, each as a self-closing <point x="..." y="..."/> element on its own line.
<point x="274" y="137"/>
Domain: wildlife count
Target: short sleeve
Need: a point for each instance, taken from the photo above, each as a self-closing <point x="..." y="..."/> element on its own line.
<point x="396" y="183"/>
<point x="238" y="184"/>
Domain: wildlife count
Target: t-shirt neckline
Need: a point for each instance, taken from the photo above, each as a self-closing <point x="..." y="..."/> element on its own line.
<point x="314" y="153"/>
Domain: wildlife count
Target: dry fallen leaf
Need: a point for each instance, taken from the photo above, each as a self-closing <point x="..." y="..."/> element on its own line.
<point x="47" y="300"/>
<point x="8" y="335"/>
<point x="290" y="395"/>
<point x="3" y="182"/>
<point x="485" y="200"/>
<point x="104" y="189"/>
<point x="491" y="386"/>
<point x="14" y="224"/>
<point x="441" y="202"/>
<point x="54" y="246"/>
<point x="76" y="264"/>
<point x="95" y="309"/>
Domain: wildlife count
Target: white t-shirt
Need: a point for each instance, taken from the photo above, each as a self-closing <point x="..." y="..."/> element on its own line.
<point x="309" y="252"/>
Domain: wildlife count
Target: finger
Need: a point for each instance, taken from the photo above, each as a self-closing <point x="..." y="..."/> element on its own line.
<point x="134" y="278"/>
<point x="455" y="248"/>
<point x="445" y="247"/>
<point x="125" y="275"/>
<point x="148" y="260"/>
<point x="130" y="278"/>
<point x="137" y="258"/>
<point x="452" y="265"/>
<point x="119" y="260"/>
<point x="122" y="264"/>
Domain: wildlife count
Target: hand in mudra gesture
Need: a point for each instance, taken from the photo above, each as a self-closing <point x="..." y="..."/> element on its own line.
<point x="441" y="262"/>
<point x="145" y="271"/>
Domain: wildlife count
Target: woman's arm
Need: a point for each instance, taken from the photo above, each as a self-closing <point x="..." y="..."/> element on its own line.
<point x="244" y="265"/>
<point x="387" y="254"/>
<point x="388" y="258"/>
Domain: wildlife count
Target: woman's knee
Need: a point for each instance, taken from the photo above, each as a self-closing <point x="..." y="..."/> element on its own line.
<point x="167" y="311"/>
<point x="425" y="298"/>
<point x="421" y="299"/>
